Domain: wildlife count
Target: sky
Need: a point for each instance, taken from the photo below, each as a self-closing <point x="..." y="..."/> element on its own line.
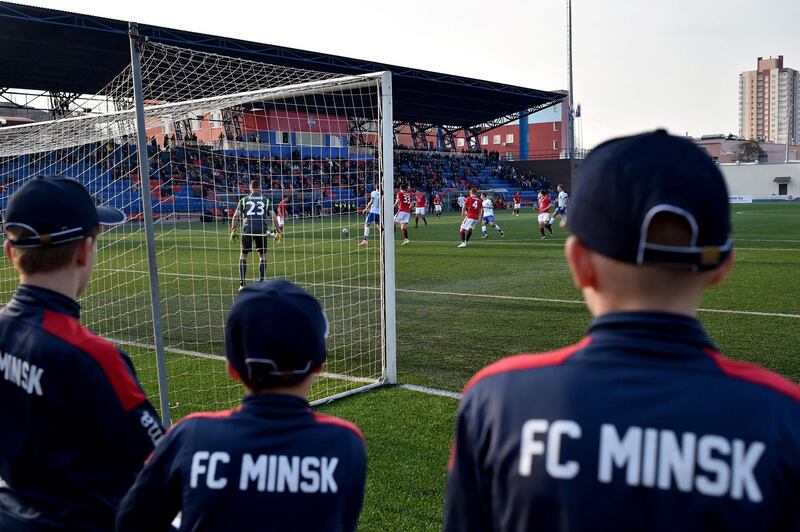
<point x="638" y="64"/>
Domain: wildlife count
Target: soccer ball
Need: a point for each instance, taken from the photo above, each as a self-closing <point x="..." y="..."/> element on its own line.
<point x="345" y="231"/>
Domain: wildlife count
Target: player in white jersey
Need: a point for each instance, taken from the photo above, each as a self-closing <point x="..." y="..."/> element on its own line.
<point x="561" y="207"/>
<point x="373" y="209"/>
<point x="488" y="216"/>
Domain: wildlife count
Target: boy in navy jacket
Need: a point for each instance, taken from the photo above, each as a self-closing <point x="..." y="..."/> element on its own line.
<point x="75" y="426"/>
<point x="271" y="463"/>
<point x="643" y="425"/>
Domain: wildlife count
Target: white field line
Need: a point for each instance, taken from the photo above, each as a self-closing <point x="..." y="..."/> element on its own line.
<point x="430" y="391"/>
<point x="552" y="242"/>
<point x="484" y="296"/>
<point x="337" y="376"/>
<point x="559" y="242"/>
<point x="199" y="354"/>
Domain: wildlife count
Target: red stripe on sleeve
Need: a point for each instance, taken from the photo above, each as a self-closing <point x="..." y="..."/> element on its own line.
<point x="527" y="361"/>
<point x="102" y="351"/>
<point x="322" y="418"/>
<point x="754" y="374"/>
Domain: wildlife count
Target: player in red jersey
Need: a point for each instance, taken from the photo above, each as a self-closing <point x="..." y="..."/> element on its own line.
<point x="403" y="205"/>
<point x="471" y="213"/>
<point x="517" y="202"/>
<point x="544" y="214"/>
<point x="280" y="220"/>
<point x="437" y="206"/>
<point x="420" y="210"/>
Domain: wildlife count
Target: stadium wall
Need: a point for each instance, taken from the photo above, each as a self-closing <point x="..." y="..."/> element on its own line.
<point x="762" y="180"/>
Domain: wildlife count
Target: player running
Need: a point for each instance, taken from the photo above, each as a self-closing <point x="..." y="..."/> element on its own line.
<point x="437" y="206"/>
<point x="517" y="203"/>
<point x="254" y="209"/>
<point x="488" y="216"/>
<point x="373" y="207"/>
<point x="561" y="208"/>
<point x="420" y="208"/>
<point x="544" y="214"/>
<point x="281" y="219"/>
<point x="471" y="211"/>
<point x="403" y="205"/>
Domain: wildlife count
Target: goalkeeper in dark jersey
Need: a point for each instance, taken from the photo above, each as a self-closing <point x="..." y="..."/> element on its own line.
<point x="254" y="210"/>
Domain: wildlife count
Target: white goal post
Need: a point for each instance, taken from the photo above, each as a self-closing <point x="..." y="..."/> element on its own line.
<point x="318" y="144"/>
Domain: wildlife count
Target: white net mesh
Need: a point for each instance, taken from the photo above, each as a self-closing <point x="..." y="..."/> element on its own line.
<point x="214" y="124"/>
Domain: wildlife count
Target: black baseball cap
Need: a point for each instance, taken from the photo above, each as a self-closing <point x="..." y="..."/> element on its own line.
<point x="56" y="210"/>
<point x="626" y="182"/>
<point x="278" y="326"/>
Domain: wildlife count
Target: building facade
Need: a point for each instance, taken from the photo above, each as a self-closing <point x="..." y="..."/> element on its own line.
<point x="724" y="149"/>
<point x="547" y="136"/>
<point x="769" y="102"/>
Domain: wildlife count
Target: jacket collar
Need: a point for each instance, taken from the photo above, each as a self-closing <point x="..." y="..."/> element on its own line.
<point x="275" y="405"/>
<point x="659" y="327"/>
<point x="35" y="296"/>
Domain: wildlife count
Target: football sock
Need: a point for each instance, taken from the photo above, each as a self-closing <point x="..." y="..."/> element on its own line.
<point x="262" y="268"/>
<point x="485" y="230"/>
<point x="366" y="232"/>
<point x="497" y="228"/>
<point x="469" y="234"/>
<point x="405" y="233"/>
<point x="416" y="222"/>
<point x="242" y="270"/>
<point x="425" y="220"/>
<point x="463" y="237"/>
<point x="541" y="230"/>
<point x="549" y="228"/>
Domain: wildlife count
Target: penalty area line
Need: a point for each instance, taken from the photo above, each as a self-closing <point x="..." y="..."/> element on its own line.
<point x="578" y="302"/>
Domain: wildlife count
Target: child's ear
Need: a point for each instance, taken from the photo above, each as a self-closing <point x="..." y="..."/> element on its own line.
<point x="232" y="372"/>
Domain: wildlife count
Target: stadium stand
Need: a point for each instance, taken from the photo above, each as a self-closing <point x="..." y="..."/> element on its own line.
<point x="197" y="179"/>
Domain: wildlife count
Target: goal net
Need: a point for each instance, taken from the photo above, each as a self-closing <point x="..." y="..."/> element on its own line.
<point x="315" y="143"/>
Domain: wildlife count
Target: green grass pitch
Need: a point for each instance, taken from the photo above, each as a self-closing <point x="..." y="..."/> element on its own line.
<point x="457" y="310"/>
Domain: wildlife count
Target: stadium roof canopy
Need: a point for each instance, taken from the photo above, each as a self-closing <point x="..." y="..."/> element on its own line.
<point x="56" y="51"/>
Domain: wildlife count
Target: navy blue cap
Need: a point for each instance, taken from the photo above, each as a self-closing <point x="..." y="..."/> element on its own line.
<point x="56" y="210"/>
<point x="626" y="182"/>
<point x="279" y="326"/>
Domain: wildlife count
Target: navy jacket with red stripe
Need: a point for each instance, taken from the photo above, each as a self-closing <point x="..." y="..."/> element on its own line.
<point x="641" y="426"/>
<point x="270" y="464"/>
<point x="75" y="424"/>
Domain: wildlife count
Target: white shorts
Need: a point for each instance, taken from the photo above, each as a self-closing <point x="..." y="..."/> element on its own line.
<point x="468" y="224"/>
<point x="517" y="206"/>
<point x="437" y="208"/>
<point x="402" y="217"/>
<point x="420" y="211"/>
<point x="280" y="221"/>
<point x="544" y="217"/>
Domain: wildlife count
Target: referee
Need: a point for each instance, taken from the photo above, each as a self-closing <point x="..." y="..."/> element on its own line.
<point x="642" y="425"/>
<point x="75" y="426"/>
<point x="271" y="463"/>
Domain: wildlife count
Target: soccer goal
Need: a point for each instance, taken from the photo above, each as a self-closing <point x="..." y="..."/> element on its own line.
<point x="207" y="126"/>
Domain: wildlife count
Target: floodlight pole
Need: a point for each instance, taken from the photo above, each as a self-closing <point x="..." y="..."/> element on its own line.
<point x="149" y="231"/>
<point x="788" y="121"/>
<point x="387" y="196"/>
<point x="570" y="114"/>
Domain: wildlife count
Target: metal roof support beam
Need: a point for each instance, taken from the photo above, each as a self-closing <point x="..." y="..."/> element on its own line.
<point x="231" y="122"/>
<point x="60" y="103"/>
